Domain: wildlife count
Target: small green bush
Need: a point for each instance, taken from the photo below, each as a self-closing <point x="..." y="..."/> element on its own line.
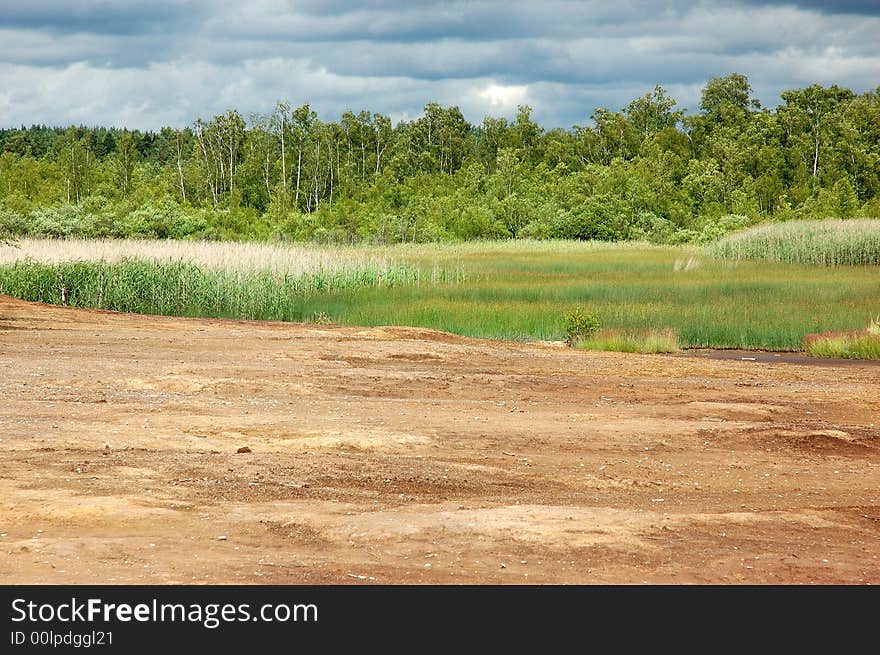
<point x="580" y="324"/>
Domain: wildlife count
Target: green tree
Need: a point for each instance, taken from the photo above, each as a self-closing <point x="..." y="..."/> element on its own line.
<point x="722" y="94"/>
<point x="809" y="117"/>
<point x="653" y="112"/>
<point x="126" y="156"/>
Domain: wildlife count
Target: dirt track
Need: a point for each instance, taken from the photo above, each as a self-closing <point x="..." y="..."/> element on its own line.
<point x="401" y="455"/>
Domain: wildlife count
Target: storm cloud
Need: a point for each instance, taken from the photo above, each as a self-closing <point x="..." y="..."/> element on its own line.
<point x="148" y="63"/>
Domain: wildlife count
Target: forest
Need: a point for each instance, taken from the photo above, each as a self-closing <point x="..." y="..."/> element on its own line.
<point x="653" y="171"/>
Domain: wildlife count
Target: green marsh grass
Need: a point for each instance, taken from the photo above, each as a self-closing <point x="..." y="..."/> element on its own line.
<point x="184" y="289"/>
<point x="515" y="290"/>
<point x="848" y="345"/>
<point x="632" y="341"/>
<point x="522" y="292"/>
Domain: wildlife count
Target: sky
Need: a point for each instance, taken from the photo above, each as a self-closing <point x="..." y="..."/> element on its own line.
<point x="148" y="63"/>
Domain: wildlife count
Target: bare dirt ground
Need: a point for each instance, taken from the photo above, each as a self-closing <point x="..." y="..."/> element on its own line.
<point x="396" y="455"/>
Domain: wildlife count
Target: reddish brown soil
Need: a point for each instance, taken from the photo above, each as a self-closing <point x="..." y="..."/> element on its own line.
<point x="399" y="455"/>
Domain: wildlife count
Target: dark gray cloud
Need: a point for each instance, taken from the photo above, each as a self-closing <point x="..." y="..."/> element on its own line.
<point x="150" y="62"/>
<point x="100" y="16"/>
<point x="864" y="7"/>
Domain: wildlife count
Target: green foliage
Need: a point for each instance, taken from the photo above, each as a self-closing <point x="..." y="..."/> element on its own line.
<point x="647" y="172"/>
<point x="11" y="223"/>
<point x="6" y="239"/>
<point x="580" y="325"/>
<point x="714" y="230"/>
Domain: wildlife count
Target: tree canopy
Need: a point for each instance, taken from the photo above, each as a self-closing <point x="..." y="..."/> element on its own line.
<point x="649" y="171"/>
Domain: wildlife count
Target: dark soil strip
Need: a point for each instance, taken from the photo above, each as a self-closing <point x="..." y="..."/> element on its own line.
<point x="765" y="357"/>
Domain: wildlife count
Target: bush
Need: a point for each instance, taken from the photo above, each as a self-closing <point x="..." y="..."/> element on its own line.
<point x="713" y="230"/>
<point x="579" y="325"/>
<point x="60" y="221"/>
<point x="599" y="217"/>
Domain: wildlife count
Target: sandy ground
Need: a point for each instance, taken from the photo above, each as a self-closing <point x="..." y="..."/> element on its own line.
<point x="400" y="455"/>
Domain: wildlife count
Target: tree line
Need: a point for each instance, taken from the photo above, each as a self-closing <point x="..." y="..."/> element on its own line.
<point x="649" y="171"/>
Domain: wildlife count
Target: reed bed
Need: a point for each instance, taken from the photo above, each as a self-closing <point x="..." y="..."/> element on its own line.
<point x="275" y="258"/>
<point x="830" y="242"/>
<point x="244" y="280"/>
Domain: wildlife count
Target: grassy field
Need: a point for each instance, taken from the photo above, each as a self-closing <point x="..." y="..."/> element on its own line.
<point x="522" y="290"/>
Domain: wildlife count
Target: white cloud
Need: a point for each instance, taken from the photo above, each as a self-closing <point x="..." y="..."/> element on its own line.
<point x="504" y="97"/>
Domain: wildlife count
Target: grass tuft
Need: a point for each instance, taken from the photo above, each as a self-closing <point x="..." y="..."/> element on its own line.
<point x="632" y="341"/>
<point x="844" y="345"/>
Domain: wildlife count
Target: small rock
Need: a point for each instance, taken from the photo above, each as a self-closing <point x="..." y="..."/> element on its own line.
<point x="243" y="449"/>
<point x="222" y="537"/>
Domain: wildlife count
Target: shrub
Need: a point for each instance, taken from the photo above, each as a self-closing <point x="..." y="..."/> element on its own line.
<point x="599" y="217"/>
<point x="579" y="325"/>
<point x="715" y="229"/>
<point x="11" y="223"/>
<point x="58" y="221"/>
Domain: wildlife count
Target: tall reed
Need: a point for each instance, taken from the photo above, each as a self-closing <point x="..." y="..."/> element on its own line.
<point x="830" y="242"/>
<point x="185" y="289"/>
